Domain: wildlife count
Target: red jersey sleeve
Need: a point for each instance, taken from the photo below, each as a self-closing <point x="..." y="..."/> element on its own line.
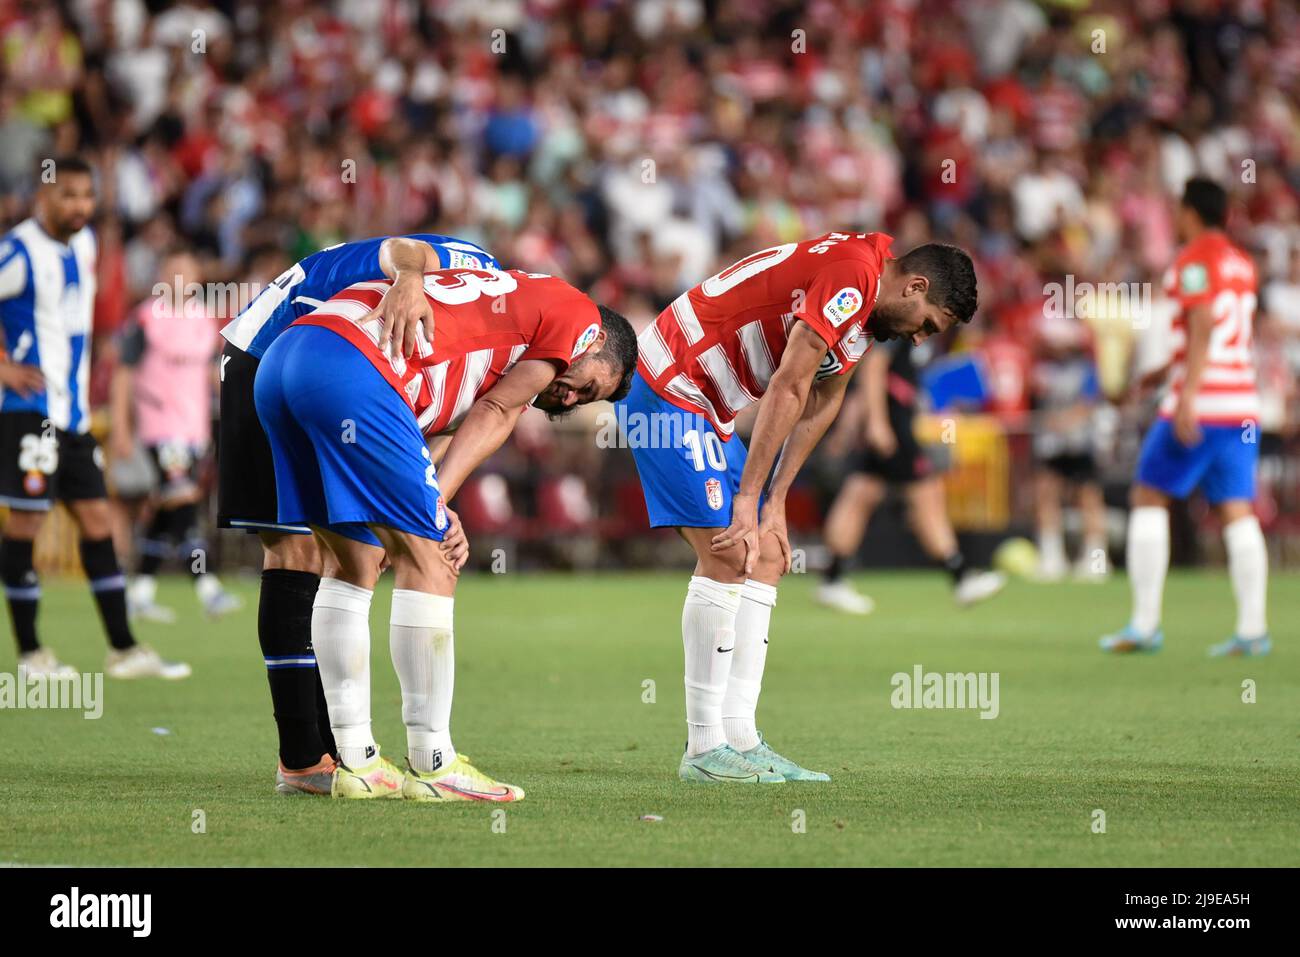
<point x="838" y="299"/>
<point x="566" y="330"/>
<point x="1194" y="280"/>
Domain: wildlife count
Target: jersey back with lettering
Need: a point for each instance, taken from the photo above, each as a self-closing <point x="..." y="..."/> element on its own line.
<point x="1211" y="271"/>
<point x="47" y="298"/>
<point x="307" y="284"/>
<point x="713" y="351"/>
<point x="484" y="323"/>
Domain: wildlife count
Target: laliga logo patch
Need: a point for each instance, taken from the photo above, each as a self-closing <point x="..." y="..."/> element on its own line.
<point x="459" y="260"/>
<point x="440" y="516"/>
<point x="842" y="306"/>
<point x="585" y="340"/>
<point x="713" y="492"/>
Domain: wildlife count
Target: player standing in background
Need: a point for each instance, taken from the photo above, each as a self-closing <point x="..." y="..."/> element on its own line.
<point x="784" y="327"/>
<point x="246" y="473"/>
<point x="1066" y="397"/>
<point x="1207" y="432"/>
<point x="47" y="294"/>
<point x="162" y="397"/>
<point x="347" y="424"/>
<point x="888" y="395"/>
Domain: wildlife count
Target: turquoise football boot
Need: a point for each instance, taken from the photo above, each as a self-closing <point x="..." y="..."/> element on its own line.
<point x="763" y="755"/>
<point x="1236" y="646"/>
<point x="725" y="765"/>
<point x="1127" y="640"/>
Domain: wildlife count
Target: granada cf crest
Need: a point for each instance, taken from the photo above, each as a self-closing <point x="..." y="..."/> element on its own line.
<point x="713" y="492"/>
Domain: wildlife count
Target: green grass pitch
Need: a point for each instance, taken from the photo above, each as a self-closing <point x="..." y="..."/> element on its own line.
<point x="550" y="682"/>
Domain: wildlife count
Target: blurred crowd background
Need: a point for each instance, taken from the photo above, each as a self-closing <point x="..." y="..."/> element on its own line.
<point x="636" y="148"/>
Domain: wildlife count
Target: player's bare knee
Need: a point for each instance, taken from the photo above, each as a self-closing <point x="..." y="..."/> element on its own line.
<point x="93" y="518"/>
<point x="298" y="553"/>
<point x="23" y="525"/>
<point x="421" y="565"/>
<point x="1144" y="496"/>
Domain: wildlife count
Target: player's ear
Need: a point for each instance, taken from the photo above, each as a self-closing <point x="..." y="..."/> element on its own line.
<point x="917" y="286"/>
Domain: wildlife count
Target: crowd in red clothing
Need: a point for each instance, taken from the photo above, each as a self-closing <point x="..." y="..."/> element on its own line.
<point x="634" y="148"/>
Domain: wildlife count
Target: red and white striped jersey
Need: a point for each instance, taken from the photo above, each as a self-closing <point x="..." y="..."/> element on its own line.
<point x="1212" y="271"/>
<point x="484" y="322"/>
<point x="713" y="351"/>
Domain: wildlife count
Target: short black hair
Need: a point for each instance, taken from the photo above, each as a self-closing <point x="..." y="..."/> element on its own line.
<point x="951" y="275"/>
<point x="1208" y="200"/>
<point x="67" y="163"/>
<point x="619" y="350"/>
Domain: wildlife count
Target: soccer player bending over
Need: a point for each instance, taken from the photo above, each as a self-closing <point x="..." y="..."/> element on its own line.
<point x="1207" y="435"/>
<point x="246" y="474"/>
<point x="785" y="328"/>
<point x="347" y="425"/>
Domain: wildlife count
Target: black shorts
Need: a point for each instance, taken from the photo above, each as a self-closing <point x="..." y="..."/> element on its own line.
<point x="1073" y="466"/>
<point x="245" y="470"/>
<point x="40" y="464"/>
<point x="177" y="465"/>
<point x="908" y="462"/>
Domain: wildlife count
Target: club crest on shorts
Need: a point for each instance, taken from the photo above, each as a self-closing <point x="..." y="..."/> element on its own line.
<point x="440" y="516"/>
<point x="713" y="493"/>
<point x="34" y="483"/>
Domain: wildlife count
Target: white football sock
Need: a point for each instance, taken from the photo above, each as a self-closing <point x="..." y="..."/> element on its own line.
<point x="1148" y="562"/>
<point x="1051" y="551"/>
<point x="1248" y="569"/>
<point x="748" y="661"/>
<point x="340" y="635"/>
<point x="709" y="636"/>
<point x="1093" y="558"/>
<point x="207" y="587"/>
<point x="423" y="649"/>
<point x="142" y="590"/>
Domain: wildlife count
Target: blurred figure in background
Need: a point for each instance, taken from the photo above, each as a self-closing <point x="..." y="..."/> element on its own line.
<point x="1207" y="435"/>
<point x="47" y="291"/>
<point x="162" y="402"/>
<point x="1066" y="396"/>
<point x="886" y="397"/>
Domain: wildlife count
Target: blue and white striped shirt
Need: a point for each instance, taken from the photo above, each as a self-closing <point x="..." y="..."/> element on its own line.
<point x="47" y="298"/>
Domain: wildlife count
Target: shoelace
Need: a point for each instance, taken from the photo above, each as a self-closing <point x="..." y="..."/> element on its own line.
<point x="734" y="760"/>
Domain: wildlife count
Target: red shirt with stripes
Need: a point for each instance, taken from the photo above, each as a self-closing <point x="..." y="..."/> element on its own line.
<point x="484" y="321"/>
<point x="713" y="351"/>
<point x="1211" y="271"/>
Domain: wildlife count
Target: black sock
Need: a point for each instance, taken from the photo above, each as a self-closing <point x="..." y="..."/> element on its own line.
<point x="834" y="571"/>
<point x="284" y="632"/>
<point x="22" y="589"/>
<point x="156" y="546"/>
<point x="191" y="548"/>
<point x="109" y="587"/>
<point x="956" y="565"/>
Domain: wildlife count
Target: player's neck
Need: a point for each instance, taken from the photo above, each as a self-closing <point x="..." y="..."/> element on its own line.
<point x="43" y="221"/>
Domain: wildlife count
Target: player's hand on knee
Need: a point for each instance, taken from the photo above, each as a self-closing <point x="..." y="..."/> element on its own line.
<point x="743" y="530"/>
<point x="773" y="524"/>
<point x="455" y="543"/>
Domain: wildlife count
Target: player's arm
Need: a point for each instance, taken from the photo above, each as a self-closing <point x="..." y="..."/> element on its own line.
<point x="824" y="402"/>
<point x="404" y="307"/>
<point x="778" y="411"/>
<point x="875" y="398"/>
<point x="16" y="375"/>
<point x="490" y="421"/>
<point x="121" y="397"/>
<point x="1199" y="324"/>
